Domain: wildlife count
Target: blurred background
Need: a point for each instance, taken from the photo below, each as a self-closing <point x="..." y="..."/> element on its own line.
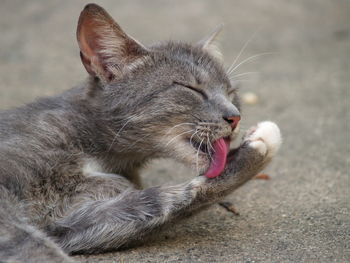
<point x="303" y="213"/>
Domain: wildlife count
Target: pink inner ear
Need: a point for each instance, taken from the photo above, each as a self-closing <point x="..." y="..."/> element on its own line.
<point x="83" y="44"/>
<point x="87" y="39"/>
<point x="96" y="32"/>
<point x="91" y="21"/>
<point x="87" y="64"/>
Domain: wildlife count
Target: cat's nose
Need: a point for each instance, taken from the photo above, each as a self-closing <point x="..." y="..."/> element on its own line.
<point x="233" y="120"/>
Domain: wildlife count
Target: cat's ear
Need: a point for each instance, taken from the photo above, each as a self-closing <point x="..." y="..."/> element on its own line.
<point x="210" y="43"/>
<point x="105" y="49"/>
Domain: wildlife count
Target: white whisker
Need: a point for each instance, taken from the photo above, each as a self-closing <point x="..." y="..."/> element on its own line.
<point x="207" y="123"/>
<point x="195" y="132"/>
<point x="198" y="154"/>
<point x="209" y="145"/>
<point x="242" y="50"/>
<point x="132" y="145"/>
<point x="184" y="123"/>
<point x="245" y="73"/>
<point x="178" y="136"/>
<point x="243" y="80"/>
<point x="249" y="59"/>
<point x="120" y="130"/>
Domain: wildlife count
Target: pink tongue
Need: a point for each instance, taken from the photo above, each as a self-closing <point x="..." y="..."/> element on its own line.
<point x="217" y="165"/>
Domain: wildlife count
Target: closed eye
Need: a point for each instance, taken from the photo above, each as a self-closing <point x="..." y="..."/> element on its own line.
<point x="233" y="88"/>
<point x="232" y="92"/>
<point x="202" y="93"/>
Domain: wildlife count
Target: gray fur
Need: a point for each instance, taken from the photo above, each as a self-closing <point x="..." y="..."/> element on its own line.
<point x="123" y="116"/>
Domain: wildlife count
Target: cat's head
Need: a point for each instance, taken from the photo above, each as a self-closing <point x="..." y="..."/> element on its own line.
<point x="167" y="100"/>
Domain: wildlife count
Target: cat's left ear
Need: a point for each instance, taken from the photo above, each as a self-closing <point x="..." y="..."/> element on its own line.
<point x="106" y="51"/>
<point x="210" y="43"/>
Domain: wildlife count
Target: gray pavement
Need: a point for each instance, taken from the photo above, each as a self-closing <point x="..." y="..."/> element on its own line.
<point x="303" y="213"/>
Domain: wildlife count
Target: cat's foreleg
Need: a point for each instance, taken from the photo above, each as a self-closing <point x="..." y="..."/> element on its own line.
<point x="258" y="147"/>
<point x="108" y="224"/>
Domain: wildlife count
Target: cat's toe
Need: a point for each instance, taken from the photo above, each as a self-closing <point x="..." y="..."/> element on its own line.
<point x="265" y="138"/>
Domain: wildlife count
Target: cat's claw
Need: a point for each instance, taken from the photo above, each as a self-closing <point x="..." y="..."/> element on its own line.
<point x="265" y="138"/>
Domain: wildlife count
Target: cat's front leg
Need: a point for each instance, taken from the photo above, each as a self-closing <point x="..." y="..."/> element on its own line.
<point x="99" y="225"/>
<point x="259" y="146"/>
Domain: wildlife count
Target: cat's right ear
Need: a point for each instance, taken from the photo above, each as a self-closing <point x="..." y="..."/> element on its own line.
<point x="105" y="49"/>
<point x="210" y="43"/>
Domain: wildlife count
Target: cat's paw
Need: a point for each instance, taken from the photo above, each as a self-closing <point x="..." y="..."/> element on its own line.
<point x="265" y="138"/>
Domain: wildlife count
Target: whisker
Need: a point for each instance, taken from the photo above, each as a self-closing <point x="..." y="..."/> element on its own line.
<point x="178" y="136"/>
<point x="249" y="59"/>
<point x="198" y="154"/>
<point x="192" y="136"/>
<point x="184" y="123"/>
<point x="209" y="145"/>
<point x="120" y="130"/>
<point x="245" y="73"/>
<point x="242" y="80"/>
<point x="114" y="138"/>
<point x="242" y="50"/>
<point x="129" y="119"/>
<point x="138" y="140"/>
<point x="207" y="123"/>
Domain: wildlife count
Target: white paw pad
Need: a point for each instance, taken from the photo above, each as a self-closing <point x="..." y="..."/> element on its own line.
<point x="265" y="137"/>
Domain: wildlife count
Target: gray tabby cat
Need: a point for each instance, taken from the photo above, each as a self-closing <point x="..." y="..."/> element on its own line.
<point x="69" y="164"/>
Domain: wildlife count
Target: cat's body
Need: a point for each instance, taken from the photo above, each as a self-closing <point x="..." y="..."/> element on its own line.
<point x="69" y="164"/>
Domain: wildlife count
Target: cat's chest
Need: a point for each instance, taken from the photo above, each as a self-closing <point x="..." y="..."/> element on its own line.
<point x="113" y="168"/>
<point x="92" y="167"/>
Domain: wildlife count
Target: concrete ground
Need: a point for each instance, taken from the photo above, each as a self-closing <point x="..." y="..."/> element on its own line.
<point x="303" y="213"/>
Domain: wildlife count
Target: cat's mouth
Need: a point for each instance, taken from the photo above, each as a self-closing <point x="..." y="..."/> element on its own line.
<point x="202" y="147"/>
<point x="216" y="154"/>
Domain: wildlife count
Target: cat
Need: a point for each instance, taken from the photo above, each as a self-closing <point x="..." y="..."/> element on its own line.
<point x="69" y="165"/>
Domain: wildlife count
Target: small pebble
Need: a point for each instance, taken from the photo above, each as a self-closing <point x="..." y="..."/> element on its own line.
<point x="250" y="98"/>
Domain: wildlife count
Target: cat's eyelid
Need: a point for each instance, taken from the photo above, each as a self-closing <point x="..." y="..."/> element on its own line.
<point x="201" y="92"/>
<point x="232" y="90"/>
